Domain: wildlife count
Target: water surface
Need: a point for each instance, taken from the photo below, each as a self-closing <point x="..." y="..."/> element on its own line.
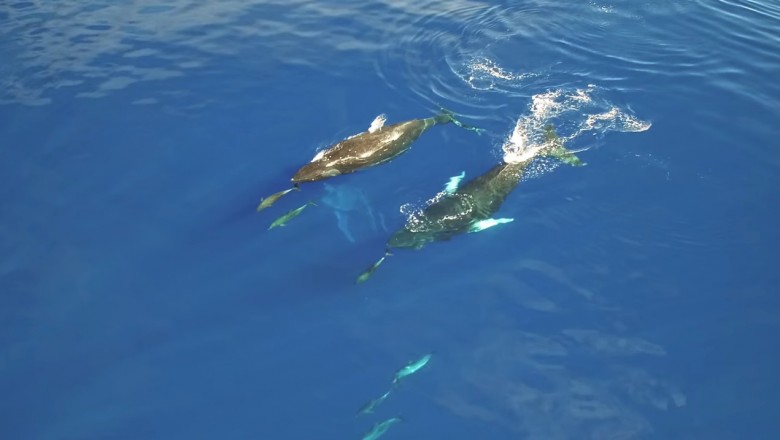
<point x="141" y="295"/>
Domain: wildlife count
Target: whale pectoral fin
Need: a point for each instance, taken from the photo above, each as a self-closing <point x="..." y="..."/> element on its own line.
<point x="341" y="219"/>
<point x="367" y="206"/>
<point x="452" y="185"/>
<point x="331" y="172"/>
<point x="488" y="223"/>
<point x="371" y="217"/>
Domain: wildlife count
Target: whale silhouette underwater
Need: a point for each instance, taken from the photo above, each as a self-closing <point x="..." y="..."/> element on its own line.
<point x="348" y="204"/>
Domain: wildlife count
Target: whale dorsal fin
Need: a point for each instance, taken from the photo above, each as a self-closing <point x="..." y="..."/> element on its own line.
<point x="488" y="223"/>
<point x="318" y="156"/>
<point x="377" y="123"/>
<point x="452" y="185"/>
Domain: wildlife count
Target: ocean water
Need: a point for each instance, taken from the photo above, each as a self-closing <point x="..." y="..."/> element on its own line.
<point x="143" y="297"/>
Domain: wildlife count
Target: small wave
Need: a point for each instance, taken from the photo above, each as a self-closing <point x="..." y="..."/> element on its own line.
<point x="444" y="56"/>
<point x="605" y="8"/>
<point x="615" y="120"/>
<point x="482" y="73"/>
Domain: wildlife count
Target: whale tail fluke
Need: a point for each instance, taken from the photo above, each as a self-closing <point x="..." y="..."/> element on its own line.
<point x="447" y="116"/>
<point x="270" y="200"/>
<point x="363" y="277"/>
<point x="558" y="151"/>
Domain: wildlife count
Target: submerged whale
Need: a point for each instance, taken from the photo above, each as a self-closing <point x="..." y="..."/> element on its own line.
<point x="349" y="203"/>
<point x="377" y="145"/>
<point x="469" y="208"/>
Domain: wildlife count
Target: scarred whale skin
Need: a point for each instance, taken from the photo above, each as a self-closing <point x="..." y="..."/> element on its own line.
<point x="366" y="149"/>
<point x="454" y="213"/>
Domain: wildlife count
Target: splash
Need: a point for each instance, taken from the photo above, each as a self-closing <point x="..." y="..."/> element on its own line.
<point x="572" y="113"/>
<point x="482" y="73"/>
<point x="615" y="120"/>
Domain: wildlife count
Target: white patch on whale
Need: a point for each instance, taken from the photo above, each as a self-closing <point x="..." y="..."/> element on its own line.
<point x="452" y="185"/>
<point x="391" y="137"/>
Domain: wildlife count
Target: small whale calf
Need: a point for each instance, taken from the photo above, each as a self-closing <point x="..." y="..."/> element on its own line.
<point x="406" y="370"/>
<point x="379" y="429"/>
<point x="411" y="368"/>
<point x="270" y="200"/>
<point x="371" y="405"/>
<point x="366" y="274"/>
<point x="282" y="220"/>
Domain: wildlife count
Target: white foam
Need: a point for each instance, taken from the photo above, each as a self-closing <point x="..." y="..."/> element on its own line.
<point x="482" y="73"/>
<point x="616" y="120"/>
<point x="571" y="113"/>
<point x="518" y="147"/>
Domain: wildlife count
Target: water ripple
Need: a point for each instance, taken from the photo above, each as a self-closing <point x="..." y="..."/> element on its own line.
<point x="454" y="53"/>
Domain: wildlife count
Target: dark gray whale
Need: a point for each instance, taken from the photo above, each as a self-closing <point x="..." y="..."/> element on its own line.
<point x="470" y="207"/>
<point x="456" y="213"/>
<point x="474" y="202"/>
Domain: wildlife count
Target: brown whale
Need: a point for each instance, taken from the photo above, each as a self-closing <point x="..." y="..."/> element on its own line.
<point x="369" y="148"/>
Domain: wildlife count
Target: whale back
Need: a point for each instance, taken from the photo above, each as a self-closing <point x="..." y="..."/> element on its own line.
<point x="453" y="214"/>
<point x="363" y="150"/>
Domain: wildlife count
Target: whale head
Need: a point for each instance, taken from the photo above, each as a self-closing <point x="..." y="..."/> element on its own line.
<point x="404" y="238"/>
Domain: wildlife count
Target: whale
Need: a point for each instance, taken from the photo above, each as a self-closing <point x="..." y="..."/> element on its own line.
<point x="379" y="429"/>
<point x="459" y="212"/>
<point x="369" y="148"/>
<point x="470" y="207"/>
<point x="377" y="145"/>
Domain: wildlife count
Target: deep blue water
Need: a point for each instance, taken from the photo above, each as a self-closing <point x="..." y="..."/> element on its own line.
<point x="142" y="297"/>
